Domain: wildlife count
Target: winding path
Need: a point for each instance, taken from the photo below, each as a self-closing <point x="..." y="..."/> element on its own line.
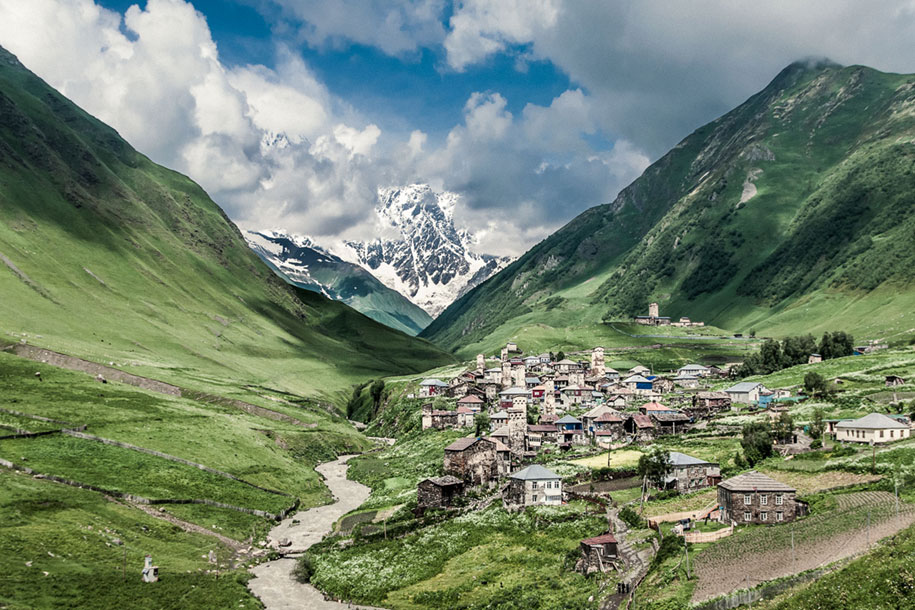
<point x="274" y="583"/>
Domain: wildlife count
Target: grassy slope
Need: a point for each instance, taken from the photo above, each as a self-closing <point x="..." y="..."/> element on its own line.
<point x="354" y="286"/>
<point x="808" y="252"/>
<point x="121" y="260"/>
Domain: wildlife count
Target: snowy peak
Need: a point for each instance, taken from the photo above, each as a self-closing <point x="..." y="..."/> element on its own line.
<point x="431" y="262"/>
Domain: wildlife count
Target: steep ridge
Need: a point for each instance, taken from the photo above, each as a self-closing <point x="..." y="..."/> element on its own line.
<point x="113" y="258"/>
<point x="301" y="262"/>
<point x="428" y="259"/>
<point x="792" y="212"/>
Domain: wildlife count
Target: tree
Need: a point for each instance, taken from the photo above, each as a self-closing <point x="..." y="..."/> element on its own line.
<point x="818" y="425"/>
<point x="783" y="428"/>
<point x="480" y="423"/>
<point x="756" y="442"/>
<point x="771" y="357"/>
<point x="561" y="356"/>
<point x="655" y="466"/>
<point x="815" y="384"/>
<point x="376" y="391"/>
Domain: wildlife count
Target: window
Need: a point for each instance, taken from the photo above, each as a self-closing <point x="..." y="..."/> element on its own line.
<point x="763" y="516"/>
<point x="747" y="499"/>
<point x="881" y="434"/>
<point x="747" y="515"/>
<point x="764" y="499"/>
<point x="779" y="516"/>
<point x="892" y="432"/>
<point x="779" y="499"/>
<point x="534" y="498"/>
<point x="533" y="484"/>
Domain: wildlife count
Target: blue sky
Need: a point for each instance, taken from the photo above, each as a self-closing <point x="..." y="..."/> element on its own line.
<point x="293" y="113"/>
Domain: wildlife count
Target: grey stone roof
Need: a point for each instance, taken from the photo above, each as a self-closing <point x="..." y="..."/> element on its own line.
<point x="435" y="382"/>
<point x="873" y="421"/>
<point x="754" y="481"/>
<point x="568" y="419"/>
<point x="535" y="472"/>
<point x="445" y="481"/>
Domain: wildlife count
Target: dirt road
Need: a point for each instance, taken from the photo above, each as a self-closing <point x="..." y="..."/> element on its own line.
<point x="274" y="584"/>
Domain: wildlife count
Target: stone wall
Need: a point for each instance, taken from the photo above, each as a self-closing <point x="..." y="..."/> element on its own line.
<point x="734" y="506"/>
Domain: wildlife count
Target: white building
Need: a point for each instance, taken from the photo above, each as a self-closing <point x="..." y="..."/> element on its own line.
<point x="746" y="392"/>
<point x="872" y="429"/>
<point x="535" y="485"/>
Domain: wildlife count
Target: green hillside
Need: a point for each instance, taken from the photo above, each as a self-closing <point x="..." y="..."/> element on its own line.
<point x="113" y="258"/>
<point x="793" y="212"/>
<point x="319" y="271"/>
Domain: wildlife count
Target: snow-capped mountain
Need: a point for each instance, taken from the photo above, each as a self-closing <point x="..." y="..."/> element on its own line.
<point x="432" y="262"/>
<point x="299" y="261"/>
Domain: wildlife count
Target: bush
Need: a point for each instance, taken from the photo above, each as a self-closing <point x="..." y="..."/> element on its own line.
<point x="671" y="545"/>
<point x="304" y="569"/>
<point x="630" y="517"/>
<point x="816" y="444"/>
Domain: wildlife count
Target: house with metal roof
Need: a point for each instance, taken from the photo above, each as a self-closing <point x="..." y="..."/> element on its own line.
<point x="688" y="473"/>
<point x="746" y="392"/>
<point x="533" y="486"/>
<point x="432" y="387"/>
<point x="872" y="429"/>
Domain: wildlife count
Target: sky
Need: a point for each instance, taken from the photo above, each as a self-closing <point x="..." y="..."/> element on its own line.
<point x="294" y="113"/>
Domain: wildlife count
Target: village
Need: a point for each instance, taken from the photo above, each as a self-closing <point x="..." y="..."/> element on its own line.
<point x="521" y="411"/>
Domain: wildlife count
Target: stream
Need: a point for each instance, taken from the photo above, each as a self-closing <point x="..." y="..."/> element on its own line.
<point x="274" y="583"/>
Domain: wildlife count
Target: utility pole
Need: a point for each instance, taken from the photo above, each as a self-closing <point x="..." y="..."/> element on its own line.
<point x="896" y="485"/>
<point x="686" y="550"/>
<point x="868" y="528"/>
<point x="793" y="553"/>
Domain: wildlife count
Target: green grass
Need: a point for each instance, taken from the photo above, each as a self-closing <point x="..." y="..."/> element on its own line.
<point x="39" y="519"/>
<point x="394" y="472"/>
<point x="881" y="580"/>
<point x="483" y="559"/>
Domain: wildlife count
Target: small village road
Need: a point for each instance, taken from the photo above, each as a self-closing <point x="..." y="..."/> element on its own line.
<point x="274" y="583"/>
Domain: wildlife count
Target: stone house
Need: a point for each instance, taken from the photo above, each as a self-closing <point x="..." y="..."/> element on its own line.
<point x="687" y="382"/>
<point x="440" y="492"/>
<point x="639" y="427"/>
<point x="565" y="366"/>
<point x="670" y="423"/>
<point x="537" y="434"/>
<point x="873" y="429"/>
<point x="814" y="359"/>
<point x="465" y="417"/>
<point x="472" y="402"/>
<point x="571" y="430"/>
<point x="753" y="497"/>
<point x="498" y="419"/>
<point x="533" y="486"/>
<point x="707" y="403"/>
<point x="473" y="460"/>
<point x="503" y="456"/>
<point x="598" y="554"/>
<point x="661" y="385"/>
<point x="689" y="474"/>
<point x="438" y="420"/>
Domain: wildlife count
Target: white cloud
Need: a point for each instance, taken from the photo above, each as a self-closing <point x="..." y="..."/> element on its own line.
<point x="397" y="27"/>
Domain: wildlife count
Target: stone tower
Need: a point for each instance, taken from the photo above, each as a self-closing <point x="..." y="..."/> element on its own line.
<point x="597" y="361"/>
<point x="653" y="310"/>
<point x="506" y="373"/>
<point x="517" y="425"/>
<point x="519" y="373"/>
<point x="481" y="362"/>
<point x="549" y="398"/>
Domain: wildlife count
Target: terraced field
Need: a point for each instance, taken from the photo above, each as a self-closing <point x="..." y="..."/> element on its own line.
<point x="760" y="553"/>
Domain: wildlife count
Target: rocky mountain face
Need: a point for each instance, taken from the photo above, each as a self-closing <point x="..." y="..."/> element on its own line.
<point x="300" y="261"/>
<point x="430" y="261"/>
<point x="792" y="213"/>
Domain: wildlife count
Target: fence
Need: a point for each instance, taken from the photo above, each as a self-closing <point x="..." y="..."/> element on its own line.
<point x="696" y="537"/>
<point x="748" y="596"/>
<point x="653" y="522"/>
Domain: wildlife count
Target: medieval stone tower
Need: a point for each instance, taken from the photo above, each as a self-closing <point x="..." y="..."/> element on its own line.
<point x="549" y="398"/>
<point x="517" y="425"/>
<point x="653" y="310"/>
<point x="481" y="362"/>
<point x="506" y="373"/>
<point x="597" y="361"/>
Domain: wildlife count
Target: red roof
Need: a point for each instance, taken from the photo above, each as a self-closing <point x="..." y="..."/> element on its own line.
<point x="605" y="539"/>
<point x="608" y="417"/>
<point x="655" y="406"/>
<point x="473" y="400"/>
<point x="464" y="410"/>
<point x="642" y="421"/>
<point x="462" y="443"/>
<point x="542" y="428"/>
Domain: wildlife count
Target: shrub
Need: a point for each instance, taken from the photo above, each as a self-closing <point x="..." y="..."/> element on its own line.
<point x="630" y="517"/>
